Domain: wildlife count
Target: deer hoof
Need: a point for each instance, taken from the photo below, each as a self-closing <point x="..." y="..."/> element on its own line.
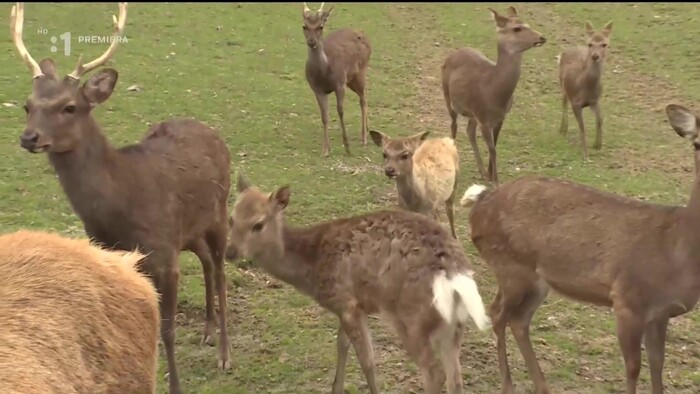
<point x="207" y="339"/>
<point x="225" y="365"/>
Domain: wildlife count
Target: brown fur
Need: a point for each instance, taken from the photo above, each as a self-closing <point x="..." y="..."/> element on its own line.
<point x="75" y="318"/>
<point x="338" y="61"/>
<point x="166" y="194"/>
<point x="640" y="259"/>
<point x="425" y="171"/>
<point x="580" y="74"/>
<point x="383" y="262"/>
<point x="482" y="90"/>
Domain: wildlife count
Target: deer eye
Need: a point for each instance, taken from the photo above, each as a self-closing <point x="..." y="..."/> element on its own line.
<point x="69" y="109"/>
<point x="26" y="109"/>
<point x="404" y="156"/>
<point x="517" y="29"/>
<point x="384" y="156"/>
<point x="590" y="45"/>
<point x="257" y="227"/>
<point x="605" y="45"/>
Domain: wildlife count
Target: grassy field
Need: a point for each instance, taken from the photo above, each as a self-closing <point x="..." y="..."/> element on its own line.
<point x="240" y="68"/>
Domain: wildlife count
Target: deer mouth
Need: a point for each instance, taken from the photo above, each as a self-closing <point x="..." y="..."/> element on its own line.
<point x="39" y="149"/>
<point x="539" y="43"/>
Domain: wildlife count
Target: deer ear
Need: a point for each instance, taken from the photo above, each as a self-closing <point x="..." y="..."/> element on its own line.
<point x="280" y="198"/>
<point x="589" y="28"/>
<point x="500" y="19"/>
<point x="242" y="184"/>
<point x="100" y="86"/>
<point x="607" y="29"/>
<point x="420" y="137"/>
<point x="48" y="67"/>
<point x="378" y="137"/>
<point x="512" y="12"/>
<point x="683" y="121"/>
<point x="327" y="13"/>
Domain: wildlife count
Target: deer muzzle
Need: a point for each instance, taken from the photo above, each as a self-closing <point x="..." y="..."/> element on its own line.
<point x="31" y="140"/>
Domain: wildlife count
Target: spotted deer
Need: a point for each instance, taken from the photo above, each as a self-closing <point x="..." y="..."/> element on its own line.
<point x="482" y="90"/>
<point x="333" y="63"/>
<point x="75" y="318"/>
<point x="580" y="80"/>
<point x="638" y="258"/>
<point x="160" y="196"/>
<point x="397" y="263"/>
<point x="425" y="172"/>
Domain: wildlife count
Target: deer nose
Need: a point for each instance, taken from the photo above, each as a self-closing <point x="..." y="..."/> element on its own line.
<point x="311" y="42"/>
<point x="390" y="171"/>
<point x="595" y="57"/>
<point x="28" y="139"/>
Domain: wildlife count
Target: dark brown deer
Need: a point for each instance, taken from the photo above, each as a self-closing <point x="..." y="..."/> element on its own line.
<point x="399" y="263"/>
<point x="339" y="60"/>
<point x="482" y="90"/>
<point x="640" y="259"/>
<point x="75" y="318"/>
<point x="580" y="74"/>
<point x="163" y="195"/>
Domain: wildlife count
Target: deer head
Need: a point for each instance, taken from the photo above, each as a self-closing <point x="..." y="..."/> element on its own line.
<point x="514" y="35"/>
<point x="687" y="125"/>
<point x="598" y="41"/>
<point x="58" y="111"/>
<point x="256" y="223"/>
<point x="398" y="152"/>
<point x="313" y="25"/>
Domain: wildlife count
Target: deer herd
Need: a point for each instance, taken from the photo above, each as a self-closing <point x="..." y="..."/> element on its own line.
<point x="83" y="316"/>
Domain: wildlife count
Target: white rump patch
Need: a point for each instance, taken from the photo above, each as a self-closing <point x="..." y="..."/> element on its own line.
<point x="472" y="195"/>
<point x="469" y="302"/>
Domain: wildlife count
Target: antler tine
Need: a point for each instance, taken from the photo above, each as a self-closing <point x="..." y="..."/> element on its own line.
<point x="306" y="8"/>
<point x="321" y="8"/>
<point x="82" y="69"/>
<point x="16" y="25"/>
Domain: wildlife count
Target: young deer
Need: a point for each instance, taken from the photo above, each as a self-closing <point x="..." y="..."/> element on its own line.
<point x="75" y="318"/>
<point x="481" y="90"/>
<point x="163" y="195"/>
<point x="425" y="172"/>
<point x="339" y="60"/>
<point x="580" y="74"/>
<point x="396" y="262"/>
<point x="640" y="259"/>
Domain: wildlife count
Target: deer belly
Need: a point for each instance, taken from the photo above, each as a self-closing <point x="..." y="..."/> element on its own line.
<point x="584" y="287"/>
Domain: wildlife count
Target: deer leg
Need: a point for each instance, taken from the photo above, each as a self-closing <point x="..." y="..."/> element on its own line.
<point x="323" y="106"/>
<point x="487" y="133"/>
<point x="630" y="329"/>
<point x="449" y="210"/>
<point x="598" y="126"/>
<point x="450" y="345"/>
<point x="167" y="274"/>
<point x="216" y="239"/>
<point x="520" y="327"/>
<point x="496" y="131"/>
<point x="343" y="345"/>
<point x="655" y="342"/>
<point x="453" y="123"/>
<point x="471" y="133"/>
<point x="417" y="344"/>
<point x="358" y="86"/>
<point x="201" y="250"/>
<point x="499" y="320"/>
<point x="578" y="112"/>
<point x="564" y="128"/>
<point x="355" y="326"/>
<point x="340" y="97"/>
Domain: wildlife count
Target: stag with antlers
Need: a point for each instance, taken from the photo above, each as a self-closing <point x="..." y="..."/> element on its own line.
<point x="161" y="196"/>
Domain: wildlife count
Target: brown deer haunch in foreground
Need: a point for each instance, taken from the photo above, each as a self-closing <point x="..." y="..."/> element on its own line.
<point x="161" y="196"/>
<point x="481" y="90"/>
<point x="75" y="318"/>
<point x="399" y="263"/>
<point x="425" y="171"/>
<point x="640" y="259"/>
<point x="580" y="74"/>
<point x="339" y="60"/>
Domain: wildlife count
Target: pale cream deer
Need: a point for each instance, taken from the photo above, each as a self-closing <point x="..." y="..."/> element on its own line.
<point x="425" y="172"/>
<point x="580" y="79"/>
<point x="640" y="259"/>
<point x="482" y="90"/>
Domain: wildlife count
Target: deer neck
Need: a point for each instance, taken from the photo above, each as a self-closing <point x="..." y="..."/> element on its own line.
<point x="85" y="172"/>
<point x="592" y="73"/>
<point x="506" y="73"/>
<point x="410" y="190"/>
<point x="297" y="260"/>
<point x="317" y="59"/>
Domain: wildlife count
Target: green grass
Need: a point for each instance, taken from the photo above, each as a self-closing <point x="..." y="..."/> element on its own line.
<point x="239" y="67"/>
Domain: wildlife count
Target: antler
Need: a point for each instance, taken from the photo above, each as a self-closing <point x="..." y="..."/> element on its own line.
<point x="82" y="69"/>
<point x="16" y="24"/>
<point x="320" y="8"/>
<point x="306" y="8"/>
